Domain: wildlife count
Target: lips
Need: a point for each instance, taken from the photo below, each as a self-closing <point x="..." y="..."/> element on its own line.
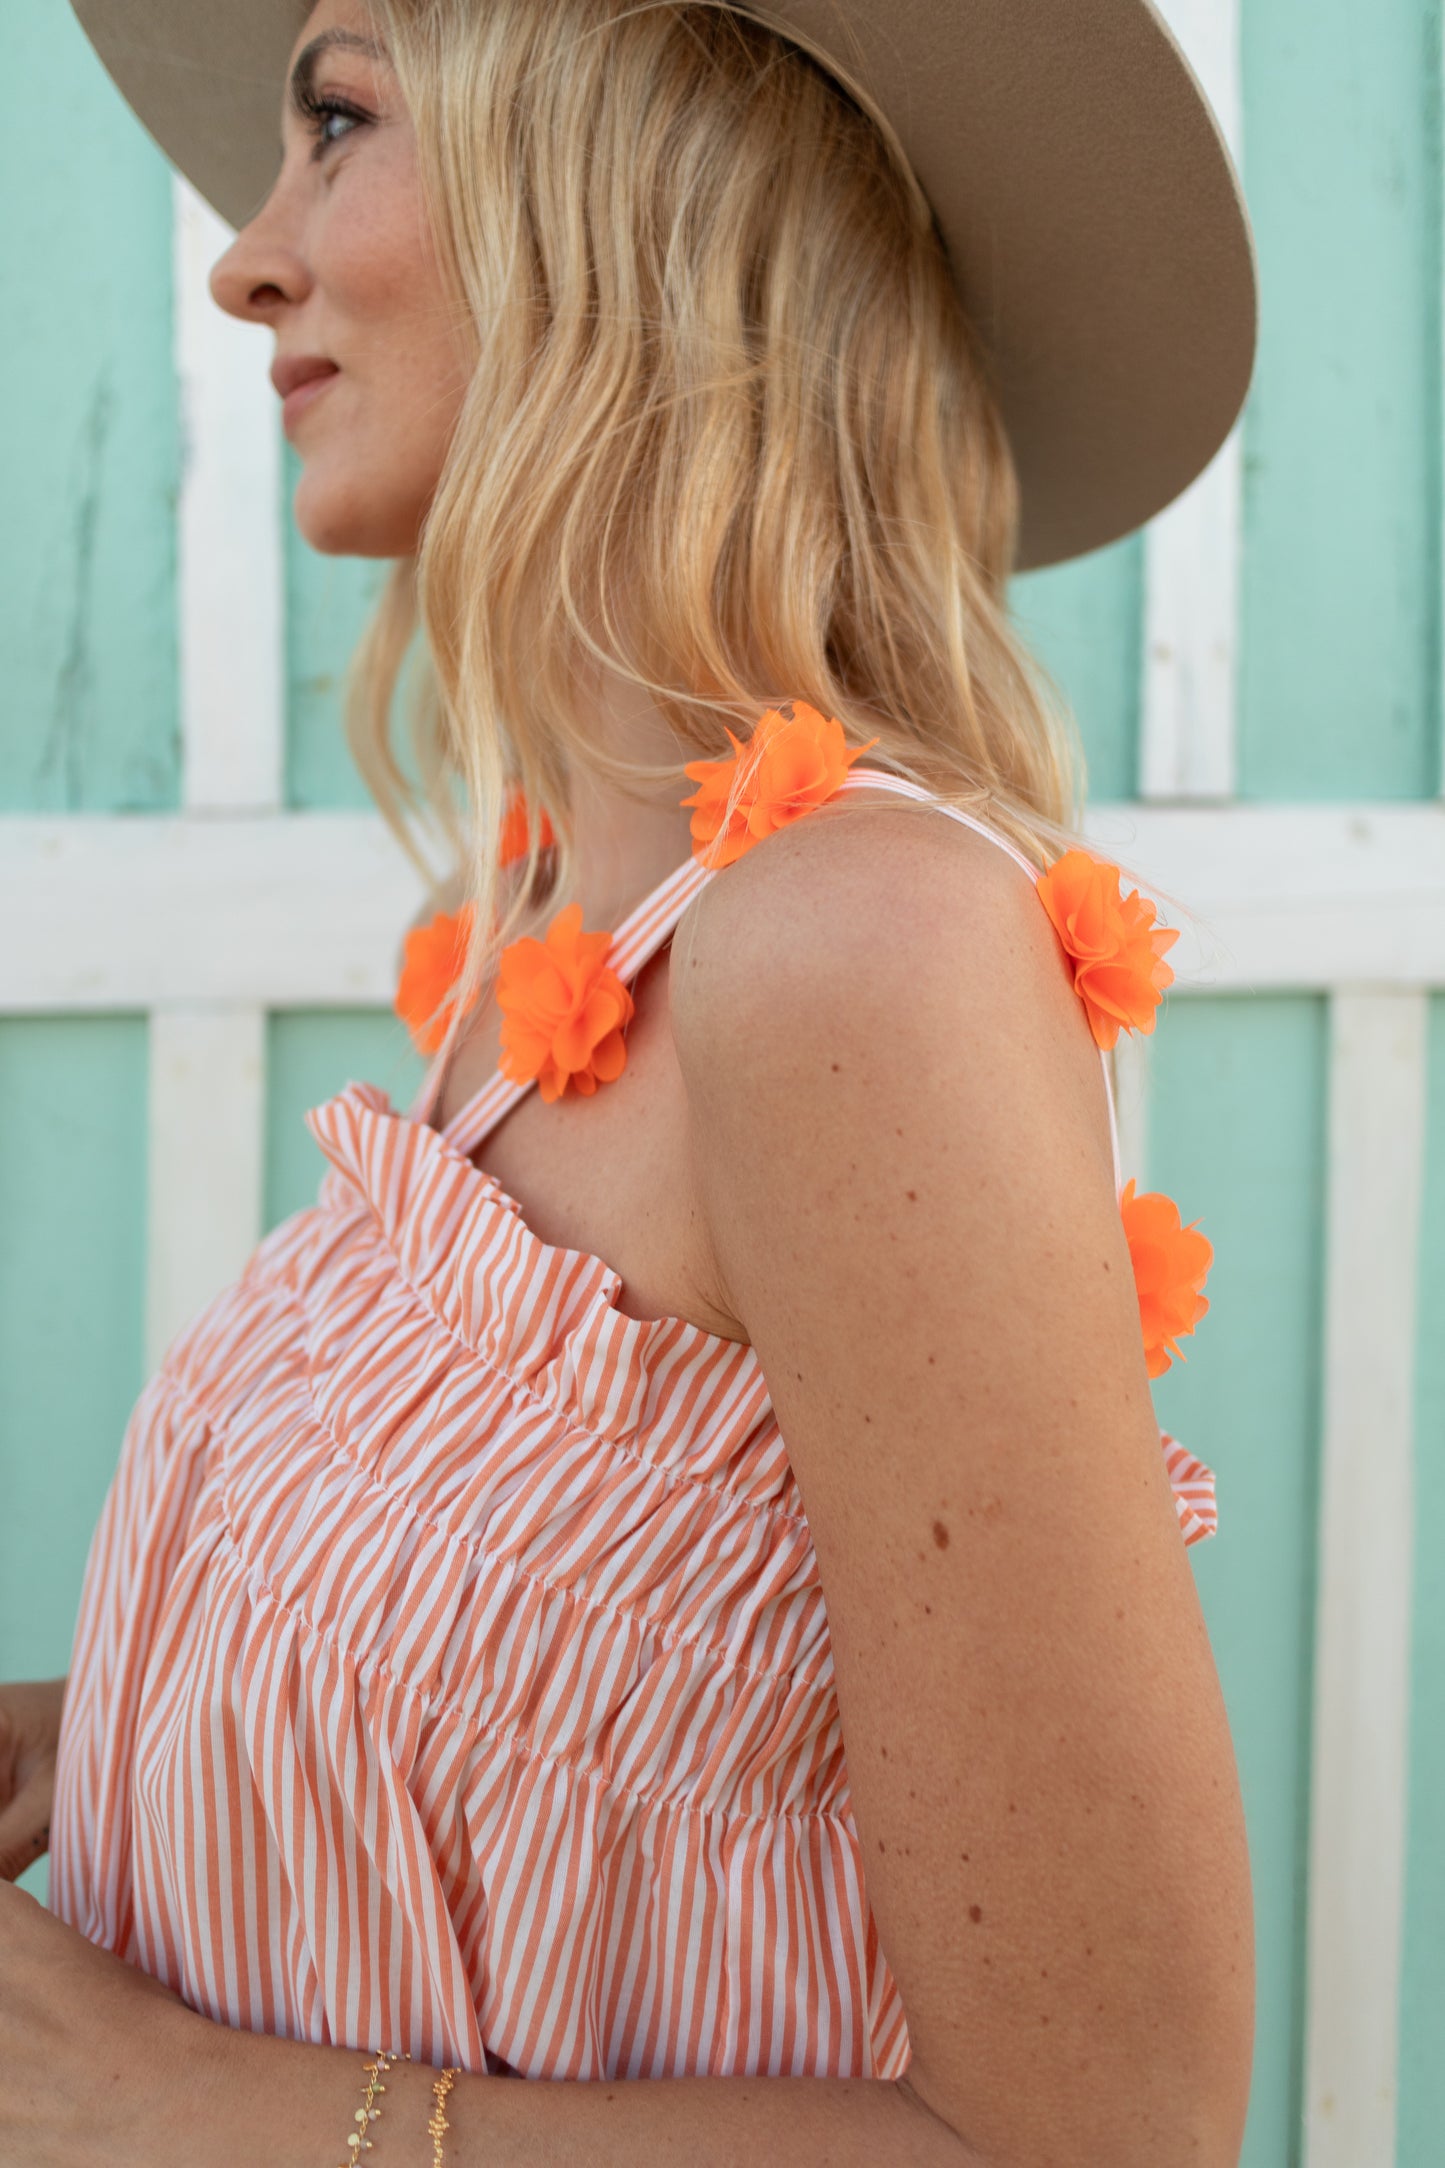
<point x="290" y="371"/>
<point x="301" y="381"/>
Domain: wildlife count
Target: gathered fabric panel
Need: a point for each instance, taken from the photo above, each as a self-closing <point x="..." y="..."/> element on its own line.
<point x="453" y="1672"/>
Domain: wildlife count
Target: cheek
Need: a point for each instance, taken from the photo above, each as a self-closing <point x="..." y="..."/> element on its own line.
<point x="371" y="467"/>
<point x="398" y="319"/>
<point x="369" y="475"/>
<point x="413" y="403"/>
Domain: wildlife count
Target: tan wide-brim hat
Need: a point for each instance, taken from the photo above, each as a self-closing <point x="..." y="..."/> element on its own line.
<point x="1091" y="214"/>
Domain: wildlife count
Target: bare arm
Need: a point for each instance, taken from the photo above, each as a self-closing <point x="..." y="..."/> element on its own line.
<point x="290" y="2103"/>
<point x="106" y="2068"/>
<point x="903" y="1150"/>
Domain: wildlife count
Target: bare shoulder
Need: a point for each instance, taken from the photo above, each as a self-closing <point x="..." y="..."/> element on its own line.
<point x="892" y="935"/>
<point x="858" y="851"/>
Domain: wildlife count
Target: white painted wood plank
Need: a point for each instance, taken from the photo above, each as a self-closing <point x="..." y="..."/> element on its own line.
<point x="298" y="911"/>
<point x="232" y="665"/>
<point x="1191" y="638"/>
<point x="1359" y="1787"/>
<point x="308" y="909"/>
<point x="1192" y="549"/>
<point x="1309" y="896"/>
<point x="207" y="1156"/>
<point x="1131" y="1101"/>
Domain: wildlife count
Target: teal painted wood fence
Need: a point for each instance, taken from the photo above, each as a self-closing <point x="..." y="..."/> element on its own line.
<point x="1336" y="684"/>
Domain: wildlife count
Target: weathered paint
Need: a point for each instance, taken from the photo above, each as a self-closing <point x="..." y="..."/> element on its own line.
<point x="89" y="442"/>
<point x="1340" y="581"/>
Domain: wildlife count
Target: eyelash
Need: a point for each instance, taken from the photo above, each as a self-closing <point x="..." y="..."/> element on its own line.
<point x="318" y="110"/>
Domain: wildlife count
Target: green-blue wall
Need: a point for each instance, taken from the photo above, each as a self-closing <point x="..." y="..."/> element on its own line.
<point x="88" y="427"/>
<point x="1339" y="697"/>
<point x="1422" y="2065"/>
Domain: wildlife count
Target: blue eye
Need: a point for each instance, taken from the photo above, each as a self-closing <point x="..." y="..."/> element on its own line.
<point x="318" y="111"/>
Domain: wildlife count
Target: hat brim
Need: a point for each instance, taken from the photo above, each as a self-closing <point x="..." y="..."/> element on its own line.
<point x="1089" y="206"/>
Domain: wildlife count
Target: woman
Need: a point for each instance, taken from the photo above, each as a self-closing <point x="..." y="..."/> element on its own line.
<point x="453" y="1677"/>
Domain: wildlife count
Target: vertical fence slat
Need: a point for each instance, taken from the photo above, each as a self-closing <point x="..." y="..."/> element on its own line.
<point x="1358" y="1804"/>
<point x="1131" y="1102"/>
<point x="1191" y="556"/>
<point x="230" y="572"/>
<point x="207" y="1066"/>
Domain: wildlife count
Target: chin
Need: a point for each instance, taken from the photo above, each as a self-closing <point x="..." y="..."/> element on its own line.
<point x="339" y="519"/>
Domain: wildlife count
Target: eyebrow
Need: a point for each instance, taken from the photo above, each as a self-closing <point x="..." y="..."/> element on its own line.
<point x="304" y="73"/>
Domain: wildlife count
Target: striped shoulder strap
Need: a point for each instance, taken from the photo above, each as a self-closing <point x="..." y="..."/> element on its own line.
<point x="639" y="936"/>
<point x="642" y="933"/>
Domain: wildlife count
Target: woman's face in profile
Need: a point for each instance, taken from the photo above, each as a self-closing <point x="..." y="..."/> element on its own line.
<point x="338" y="263"/>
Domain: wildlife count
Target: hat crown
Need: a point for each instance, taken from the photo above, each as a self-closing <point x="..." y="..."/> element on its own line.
<point x="1091" y="214"/>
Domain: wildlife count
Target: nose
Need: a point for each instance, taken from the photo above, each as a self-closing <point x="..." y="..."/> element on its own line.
<point x="264" y="267"/>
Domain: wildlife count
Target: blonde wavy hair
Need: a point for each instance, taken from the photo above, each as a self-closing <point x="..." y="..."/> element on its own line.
<point x="728" y="432"/>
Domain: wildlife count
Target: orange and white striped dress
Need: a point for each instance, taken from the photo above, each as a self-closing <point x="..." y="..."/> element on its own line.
<point x="452" y="1671"/>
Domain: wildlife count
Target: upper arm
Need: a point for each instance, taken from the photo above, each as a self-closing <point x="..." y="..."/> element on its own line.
<point x="902" y="1150"/>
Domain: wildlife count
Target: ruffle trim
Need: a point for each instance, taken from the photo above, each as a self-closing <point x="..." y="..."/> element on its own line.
<point x="548" y="1318"/>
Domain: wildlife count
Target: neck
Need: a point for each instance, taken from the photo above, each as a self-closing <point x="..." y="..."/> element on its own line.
<point x="627" y="842"/>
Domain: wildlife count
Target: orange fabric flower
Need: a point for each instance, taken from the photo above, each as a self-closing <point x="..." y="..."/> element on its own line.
<point x="513" y="843"/>
<point x="563" y="1009"/>
<point x="1116" y="950"/>
<point x="432" y="959"/>
<point x="795" y="759"/>
<point x="1170" y="1265"/>
<point x="433" y="955"/>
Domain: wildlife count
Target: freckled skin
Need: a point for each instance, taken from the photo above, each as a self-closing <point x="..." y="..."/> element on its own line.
<point x="940" y="1535"/>
<point x="337" y="262"/>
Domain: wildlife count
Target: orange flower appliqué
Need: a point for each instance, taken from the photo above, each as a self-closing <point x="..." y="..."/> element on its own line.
<point x="513" y="842"/>
<point x="1170" y="1266"/>
<point x="432" y="959"/>
<point x="1116" y="950"/>
<point x="563" y="1009"/>
<point x="795" y="759"/>
<point x="433" y="955"/>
